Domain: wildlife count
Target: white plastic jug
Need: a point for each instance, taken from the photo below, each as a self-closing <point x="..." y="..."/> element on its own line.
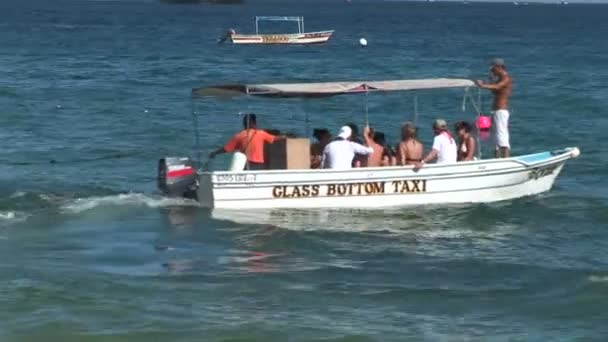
<point x="239" y="160"/>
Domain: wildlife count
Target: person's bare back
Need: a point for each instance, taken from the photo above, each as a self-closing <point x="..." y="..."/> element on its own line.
<point x="409" y="152"/>
<point x="375" y="158"/>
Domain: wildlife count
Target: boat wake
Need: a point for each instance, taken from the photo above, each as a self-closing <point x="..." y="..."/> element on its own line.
<point x="80" y="205"/>
<point x="598" y="279"/>
<point x="12" y="216"/>
<point x="18" y="205"/>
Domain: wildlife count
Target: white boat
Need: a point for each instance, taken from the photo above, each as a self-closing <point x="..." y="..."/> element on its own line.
<point x="301" y="37"/>
<point x="479" y="181"/>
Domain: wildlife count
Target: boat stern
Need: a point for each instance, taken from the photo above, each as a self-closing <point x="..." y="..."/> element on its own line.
<point x="204" y="192"/>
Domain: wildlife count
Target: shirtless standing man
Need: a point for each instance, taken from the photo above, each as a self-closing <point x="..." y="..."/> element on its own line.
<point x="502" y="90"/>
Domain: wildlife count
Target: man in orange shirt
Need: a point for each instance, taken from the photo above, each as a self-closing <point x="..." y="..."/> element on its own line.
<point x="249" y="141"/>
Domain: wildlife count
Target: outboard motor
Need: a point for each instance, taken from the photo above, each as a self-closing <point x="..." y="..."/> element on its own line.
<point x="177" y="177"/>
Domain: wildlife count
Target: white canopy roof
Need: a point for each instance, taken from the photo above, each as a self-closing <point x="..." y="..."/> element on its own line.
<point x="278" y="18"/>
<point x="321" y="89"/>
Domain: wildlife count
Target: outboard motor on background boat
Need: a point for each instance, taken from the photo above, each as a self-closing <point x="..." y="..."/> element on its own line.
<point x="177" y="177"/>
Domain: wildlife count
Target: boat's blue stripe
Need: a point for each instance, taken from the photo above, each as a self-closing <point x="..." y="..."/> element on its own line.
<point x="535" y="158"/>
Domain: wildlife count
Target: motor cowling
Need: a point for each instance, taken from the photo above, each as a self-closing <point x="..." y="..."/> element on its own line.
<point x="177" y="177"/>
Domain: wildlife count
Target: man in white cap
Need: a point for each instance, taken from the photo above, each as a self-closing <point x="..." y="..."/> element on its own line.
<point x="444" y="147"/>
<point x="502" y="90"/>
<point x="339" y="153"/>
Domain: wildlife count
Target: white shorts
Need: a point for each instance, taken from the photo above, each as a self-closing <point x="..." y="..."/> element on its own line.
<point x="501" y="128"/>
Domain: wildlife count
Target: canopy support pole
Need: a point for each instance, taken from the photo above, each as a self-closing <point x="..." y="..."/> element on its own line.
<point x="415" y="109"/>
<point x="366" y="106"/>
<point x="464" y="100"/>
<point x="477" y="107"/>
<point x="307" y="118"/>
<point x="479" y="98"/>
<point x="197" y="140"/>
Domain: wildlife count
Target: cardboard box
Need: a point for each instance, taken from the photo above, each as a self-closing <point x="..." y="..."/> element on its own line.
<point x="290" y="153"/>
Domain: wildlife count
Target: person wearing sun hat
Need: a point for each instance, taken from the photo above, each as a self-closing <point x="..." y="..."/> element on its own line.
<point x="444" y="147"/>
<point x="339" y="153"/>
<point x="502" y="90"/>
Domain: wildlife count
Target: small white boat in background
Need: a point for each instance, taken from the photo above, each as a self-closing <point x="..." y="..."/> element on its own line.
<point x="479" y="181"/>
<point x="301" y="37"/>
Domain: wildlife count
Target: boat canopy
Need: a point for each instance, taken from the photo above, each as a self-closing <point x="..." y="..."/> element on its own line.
<point x="300" y="21"/>
<point x="323" y="89"/>
<point x="278" y="18"/>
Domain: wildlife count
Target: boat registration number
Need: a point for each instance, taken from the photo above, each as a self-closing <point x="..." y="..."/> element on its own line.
<point x="541" y="172"/>
<point x="235" y="178"/>
<point x="274" y="39"/>
<point x="410" y="186"/>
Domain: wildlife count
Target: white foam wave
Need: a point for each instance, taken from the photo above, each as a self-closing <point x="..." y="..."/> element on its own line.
<point x="12" y="216"/>
<point x="7" y="215"/>
<point x="598" y="279"/>
<point x="133" y="199"/>
<point x="50" y="198"/>
<point x="17" y="194"/>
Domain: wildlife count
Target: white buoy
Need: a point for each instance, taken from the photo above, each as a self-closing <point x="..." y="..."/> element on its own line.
<point x="363" y="42"/>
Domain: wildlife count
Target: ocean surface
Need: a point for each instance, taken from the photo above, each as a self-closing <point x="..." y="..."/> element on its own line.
<point x="92" y="93"/>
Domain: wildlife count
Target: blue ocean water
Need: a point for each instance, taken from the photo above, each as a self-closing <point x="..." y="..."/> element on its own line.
<point x="92" y="93"/>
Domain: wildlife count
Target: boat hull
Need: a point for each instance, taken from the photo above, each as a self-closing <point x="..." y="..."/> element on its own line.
<point x="467" y="182"/>
<point x="296" y="38"/>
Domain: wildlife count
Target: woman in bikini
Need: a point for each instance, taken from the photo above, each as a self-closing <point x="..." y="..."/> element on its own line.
<point x="410" y="149"/>
<point x="466" y="142"/>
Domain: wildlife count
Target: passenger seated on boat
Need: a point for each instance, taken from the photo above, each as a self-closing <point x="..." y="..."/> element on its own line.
<point x="339" y="154"/>
<point x="375" y="158"/>
<point x="316" y="150"/>
<point x="466" y="141"/>
<point x="388" y="155"/>
<point x="409" y="150"/>
<point x="250" y="141"/>
<point x="359" y="160"/>
<point x="444" y="146"/>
